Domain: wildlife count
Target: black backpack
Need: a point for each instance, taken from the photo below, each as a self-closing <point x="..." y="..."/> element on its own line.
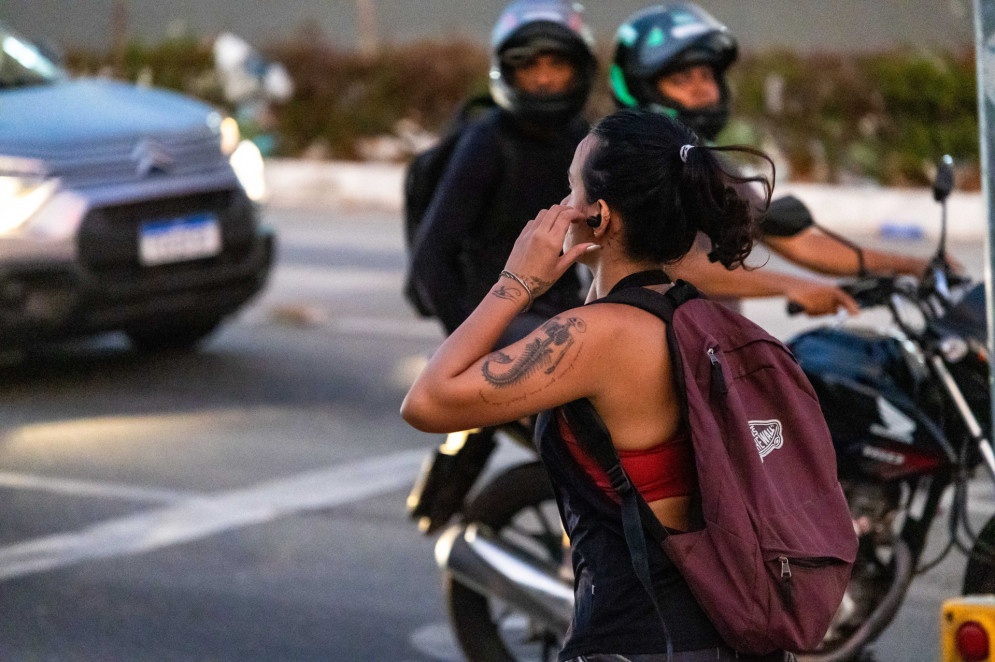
<point x="422" y="178"/>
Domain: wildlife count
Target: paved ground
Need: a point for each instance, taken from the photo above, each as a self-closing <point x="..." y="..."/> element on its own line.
<point x="246" y="502"/>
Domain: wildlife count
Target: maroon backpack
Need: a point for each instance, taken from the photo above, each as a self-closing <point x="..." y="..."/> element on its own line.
<point x="771" y="558"/>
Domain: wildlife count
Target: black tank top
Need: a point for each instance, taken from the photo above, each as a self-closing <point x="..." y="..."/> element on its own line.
<point x="612" y="611"/>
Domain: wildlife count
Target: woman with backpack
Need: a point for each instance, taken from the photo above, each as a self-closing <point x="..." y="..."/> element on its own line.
<point x="642" y="187"/>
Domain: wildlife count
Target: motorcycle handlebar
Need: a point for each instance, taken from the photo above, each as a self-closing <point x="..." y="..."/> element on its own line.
<point x="867" y="292"/>
<point x="870" y="291"/>
<point x="876" y="290"/>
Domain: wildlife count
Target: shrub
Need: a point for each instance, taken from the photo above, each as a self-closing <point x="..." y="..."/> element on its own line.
<point x="884" y="117"/>
<point x="887" y="117"/>
<point x="341" y="96"/>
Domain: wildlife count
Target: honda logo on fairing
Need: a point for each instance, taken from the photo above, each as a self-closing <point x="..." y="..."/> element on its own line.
<point x="894" y="424"/>
<point x="767" y="436"/>
<point x="152" y="157"/>
<point x="882" y="455"/>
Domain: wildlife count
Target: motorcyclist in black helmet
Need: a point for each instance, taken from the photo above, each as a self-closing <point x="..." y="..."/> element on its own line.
<point x="672" y="58"/>
<point x="510" y="164"/>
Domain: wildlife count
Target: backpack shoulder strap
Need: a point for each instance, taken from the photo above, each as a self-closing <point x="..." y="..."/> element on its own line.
<point x="595" y="439"/>
<point x="662" y="305"/>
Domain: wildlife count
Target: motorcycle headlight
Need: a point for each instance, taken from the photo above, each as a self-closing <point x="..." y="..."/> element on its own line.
<point x="954" y="349"/>
<point x="21" y="197"/>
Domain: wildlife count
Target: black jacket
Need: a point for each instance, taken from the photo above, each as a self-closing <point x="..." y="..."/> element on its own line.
<point x="500" y="176"/>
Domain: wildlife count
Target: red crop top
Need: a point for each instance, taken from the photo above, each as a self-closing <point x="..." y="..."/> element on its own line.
<point x="665" y="470"/>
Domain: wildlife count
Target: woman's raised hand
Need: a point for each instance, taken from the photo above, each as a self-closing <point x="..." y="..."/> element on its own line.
<point x="537" y="256"/>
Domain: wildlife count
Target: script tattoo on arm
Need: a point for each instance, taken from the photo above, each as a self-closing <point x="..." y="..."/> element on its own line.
<point x="542" y="354"/>
<point x="509" y="293"/>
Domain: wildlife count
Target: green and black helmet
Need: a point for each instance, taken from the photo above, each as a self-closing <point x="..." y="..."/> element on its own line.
<point x="665" y="38"/>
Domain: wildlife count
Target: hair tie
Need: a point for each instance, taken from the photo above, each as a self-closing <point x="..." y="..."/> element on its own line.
<point x="684" y="152"/>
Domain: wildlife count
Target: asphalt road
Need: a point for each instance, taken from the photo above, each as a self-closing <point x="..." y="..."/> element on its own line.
<point x="246" y="502"/>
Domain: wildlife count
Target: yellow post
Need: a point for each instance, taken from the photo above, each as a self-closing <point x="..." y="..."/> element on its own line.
<point x="971" y="620"/>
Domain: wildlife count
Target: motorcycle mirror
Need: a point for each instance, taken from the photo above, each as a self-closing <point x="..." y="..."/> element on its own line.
<point x="789" y="214"/>
<point x="944" y="182"/>
<point x="942" y="186"/>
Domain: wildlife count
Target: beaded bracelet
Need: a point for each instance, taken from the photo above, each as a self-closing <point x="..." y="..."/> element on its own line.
<point x="528" y="290"/>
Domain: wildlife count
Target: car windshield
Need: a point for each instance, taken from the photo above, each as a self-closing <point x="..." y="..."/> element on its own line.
<point x="22" y="63"/>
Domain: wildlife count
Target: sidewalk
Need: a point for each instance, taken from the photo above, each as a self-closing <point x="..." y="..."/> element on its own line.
<point x="899" y="213"/>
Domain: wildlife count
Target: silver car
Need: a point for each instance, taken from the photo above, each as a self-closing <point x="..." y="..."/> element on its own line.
<point x="121" y="208"/>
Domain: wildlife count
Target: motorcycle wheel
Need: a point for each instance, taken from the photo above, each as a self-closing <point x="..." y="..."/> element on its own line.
<point x="979" y="575"/>
<point x="520" y="507"/>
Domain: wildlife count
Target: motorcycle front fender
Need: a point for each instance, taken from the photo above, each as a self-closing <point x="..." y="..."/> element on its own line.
<point x="446" y="477"/>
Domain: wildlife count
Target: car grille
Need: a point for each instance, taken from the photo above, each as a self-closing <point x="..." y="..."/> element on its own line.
<point x="109" y="236"/>
<point x="125" y="160"/>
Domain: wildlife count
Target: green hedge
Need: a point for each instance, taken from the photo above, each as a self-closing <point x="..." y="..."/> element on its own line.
<point x="342" y="96"/>
<point x="884" y="117"/>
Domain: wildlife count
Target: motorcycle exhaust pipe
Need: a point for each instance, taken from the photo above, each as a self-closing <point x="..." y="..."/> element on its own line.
<point x="491" y="566"/>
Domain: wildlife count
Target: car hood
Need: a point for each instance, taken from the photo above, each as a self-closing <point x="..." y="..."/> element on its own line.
<point x="36" y="120"/>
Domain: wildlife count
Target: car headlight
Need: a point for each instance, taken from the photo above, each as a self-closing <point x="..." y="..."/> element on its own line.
<point x="247" y="162"/>
<point x="21" y="197"/>
<point x="230" y="135"/>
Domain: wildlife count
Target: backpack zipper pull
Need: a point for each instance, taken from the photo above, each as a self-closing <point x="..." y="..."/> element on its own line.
<point x="718" y="379"/>
<point x="786" y="580"/>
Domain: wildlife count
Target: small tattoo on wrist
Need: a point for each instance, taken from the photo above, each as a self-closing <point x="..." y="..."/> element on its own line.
<point x="508" y="293"/>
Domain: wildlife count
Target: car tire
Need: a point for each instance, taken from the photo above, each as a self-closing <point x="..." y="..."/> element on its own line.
<point x="171" y="336"/>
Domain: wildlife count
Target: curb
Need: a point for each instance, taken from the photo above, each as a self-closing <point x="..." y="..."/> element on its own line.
<point x="305" y="184"/>
<point x="892" y="213"/>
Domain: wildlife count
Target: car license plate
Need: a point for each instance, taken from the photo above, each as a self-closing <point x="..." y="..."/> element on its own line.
<point x="179" y="239"/>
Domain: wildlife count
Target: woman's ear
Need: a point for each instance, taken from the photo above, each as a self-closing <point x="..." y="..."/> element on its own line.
<point x="605" y="213"/>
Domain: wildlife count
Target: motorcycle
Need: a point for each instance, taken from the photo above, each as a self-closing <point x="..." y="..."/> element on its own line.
<point x="508" y="593"/>
<point x="910" y="415"/>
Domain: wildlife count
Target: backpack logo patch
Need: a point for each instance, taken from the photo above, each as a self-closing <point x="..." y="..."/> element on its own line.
<point x="767" y="436"/>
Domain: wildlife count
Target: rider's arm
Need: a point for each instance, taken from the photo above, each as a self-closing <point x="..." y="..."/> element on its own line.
<point x="720" y="283"/>
<point x="819" y="252"/>
<point x="458" y="204"/>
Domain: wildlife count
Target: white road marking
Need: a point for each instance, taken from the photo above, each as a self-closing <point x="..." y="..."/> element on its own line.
<point x="86" y="488"/>
<point x="201" y="517"/>
<point x="436" y="641"/>
<point x="332" y="279"/>
<point x="314" y="317"/>
<point x="387" y="327"/>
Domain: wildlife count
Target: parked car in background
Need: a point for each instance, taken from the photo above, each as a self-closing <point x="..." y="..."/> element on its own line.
<point x="121" y="208"/>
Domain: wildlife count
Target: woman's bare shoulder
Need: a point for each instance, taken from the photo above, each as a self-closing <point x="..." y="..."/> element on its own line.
<point x="615" y="328"/>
